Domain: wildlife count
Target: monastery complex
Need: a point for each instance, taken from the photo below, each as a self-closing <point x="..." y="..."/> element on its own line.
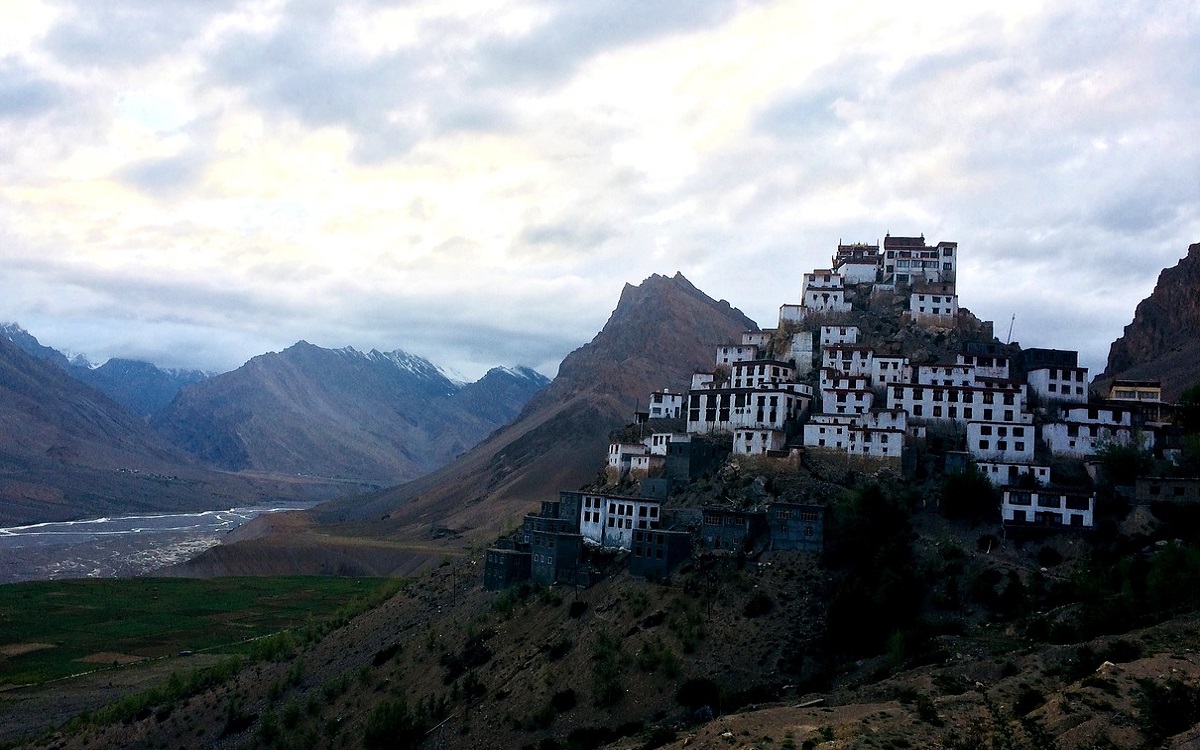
<point x="877" y="366"/>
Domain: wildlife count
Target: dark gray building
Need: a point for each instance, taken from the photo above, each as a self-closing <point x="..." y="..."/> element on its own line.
<point x="656" y="552"/>
<point x="505" y="564"/>
<point x="732" y="530"/>
<point x="695" y="458"/>
<point x="797" y="527"/>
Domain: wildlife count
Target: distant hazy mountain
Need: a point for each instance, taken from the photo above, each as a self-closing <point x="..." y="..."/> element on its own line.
<point x="1163" y="341"/>
<point x="141" y="387"/>
<point x="68" y="451"/>
<point x="380" y="416"/>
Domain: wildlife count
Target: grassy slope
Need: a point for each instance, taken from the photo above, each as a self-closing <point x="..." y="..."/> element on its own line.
<point x="52" y="629"/>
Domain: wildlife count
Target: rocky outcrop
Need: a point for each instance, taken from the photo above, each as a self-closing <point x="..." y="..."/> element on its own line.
<point x="1163" y="341"/>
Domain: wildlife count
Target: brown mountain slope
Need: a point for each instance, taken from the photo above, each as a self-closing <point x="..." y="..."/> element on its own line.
<point x="660" y="332"/>
<point x="67" y="451"/>
<point x="1162" y="342"/>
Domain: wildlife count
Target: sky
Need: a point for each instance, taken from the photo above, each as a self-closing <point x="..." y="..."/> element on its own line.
<point x="197" y="182"/>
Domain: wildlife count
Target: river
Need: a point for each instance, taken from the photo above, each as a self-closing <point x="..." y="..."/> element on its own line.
<point x="120" y="546"/>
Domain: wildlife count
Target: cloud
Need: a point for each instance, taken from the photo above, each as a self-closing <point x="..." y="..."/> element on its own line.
<point x="477" y="180"/>
<point x="572" y="33"/>
<point x="128" y="33"/>
<point x="25" y="94"/>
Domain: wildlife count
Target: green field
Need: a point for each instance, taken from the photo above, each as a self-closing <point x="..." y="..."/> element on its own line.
<point x="52" y="629"/>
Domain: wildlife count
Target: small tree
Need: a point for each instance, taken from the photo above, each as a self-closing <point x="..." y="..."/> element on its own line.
<point x="968" y="494"/>
<point x="1123" y="463"/>
<point x="1187" y="417"/>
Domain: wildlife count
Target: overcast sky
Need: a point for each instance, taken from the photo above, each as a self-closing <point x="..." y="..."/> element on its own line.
<point x="196" y="182"/>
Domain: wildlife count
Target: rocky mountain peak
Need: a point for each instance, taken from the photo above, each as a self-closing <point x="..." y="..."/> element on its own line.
<point x="1162" y="343"/>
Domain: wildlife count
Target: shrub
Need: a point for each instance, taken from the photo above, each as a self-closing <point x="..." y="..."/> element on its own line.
<point x="699" y="692"/>
<point x="563" y="700"/>
<point x="391" y="725"/>
<point x="758" y="605"/>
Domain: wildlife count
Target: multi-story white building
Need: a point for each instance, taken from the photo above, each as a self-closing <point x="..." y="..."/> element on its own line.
<point x="831" y="335"/>
<point x="857" y="263"/>
<point x="620" y="456"/>
<point x="876" y="434"/>
<point x="847" y="358"/>
<point x="761" y="339"/>
<point x="831" y="378"/>
<point x="658" y="442"/>
<point x="1048" y="507"/>
<point x="609" y="520"/>
<point x="1083" y="428"/>
<point x="822" y="278"/>
<point x="757" y="372"/>
<point x="666" y="405"/>
<point x="990" y="366"/>
<point x="934" y="304"/>
<point x="765" y="407"/>
<point x="1002" y="442"/>
<point x="758" y="441"/>
<point x="1069" y="384"/>
<point x="908" y="260"/>
<point x="959" y="403"/>
<point x="729" y="353"/>
<point x="869" y="442"/>
<point x="1000" y="474"/>
<point x="828" y="431"/>
<point x="800" y="352"/>
<point x="888" y="370"/>
<point x="847" y="400"/>
<point x="956" y="374"/>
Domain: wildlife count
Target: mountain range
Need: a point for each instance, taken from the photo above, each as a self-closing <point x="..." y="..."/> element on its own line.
<point x="140" y="387"/>
<point x="383" y="417"/>
<point x="306" y="423"/>
<point x="68" y="451"/>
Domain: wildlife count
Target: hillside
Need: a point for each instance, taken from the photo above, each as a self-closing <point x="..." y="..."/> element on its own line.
<point x="372" y="416"/>
<point x="659" y="333"/>
<point x="630" y="663"/>
<point x="67" y="451"/>
<point x="1161" y="342"/>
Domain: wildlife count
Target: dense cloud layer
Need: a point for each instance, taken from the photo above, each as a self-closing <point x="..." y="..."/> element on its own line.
<point x="196" y="183"/>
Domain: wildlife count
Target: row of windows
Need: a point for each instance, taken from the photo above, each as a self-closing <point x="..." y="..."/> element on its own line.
<point x="1002" y="445"/>
<point x="952" y="413"/>
<point x="1072" y="502"/>
<point x="1072" y="375"/>
<point x="951" y="395"/>
<point x="637" y="552"/>
<point x="1047" y="517"/>
<point x="1178" y="491"/>
<point x="1001" y="430"/>
<point x="1053" y="388"/>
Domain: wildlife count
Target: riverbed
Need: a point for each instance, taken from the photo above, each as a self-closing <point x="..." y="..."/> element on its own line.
<point x="117" y="547"/>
